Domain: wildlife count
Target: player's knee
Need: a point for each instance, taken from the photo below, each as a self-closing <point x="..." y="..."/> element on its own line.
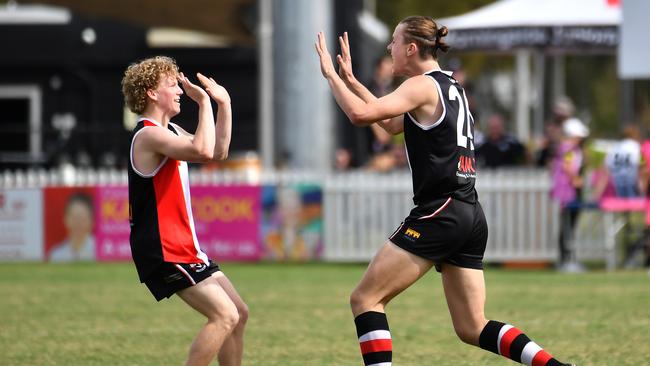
<point x="356" y="300"/>
<point x="360" y="302"/>
<point x="231" y="319"/>
<point x="226" y="318"/>
<point x="242" y="310"/>
<point x="467" y="334"/>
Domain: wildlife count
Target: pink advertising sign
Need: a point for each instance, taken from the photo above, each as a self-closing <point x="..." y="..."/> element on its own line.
<point x="112" y="228"/>
<point x="227" y="222"/>
<point x="226" y="218"/>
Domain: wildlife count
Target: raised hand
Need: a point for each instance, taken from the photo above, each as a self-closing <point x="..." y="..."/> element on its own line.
<point x="344" y="59"/>
<point x="216" y="91"/>
<point x="326" y="64"/>
<point x="195" y="92"/>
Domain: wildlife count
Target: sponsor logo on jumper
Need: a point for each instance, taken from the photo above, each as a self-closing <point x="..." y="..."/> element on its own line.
<point x="466" y="167"/>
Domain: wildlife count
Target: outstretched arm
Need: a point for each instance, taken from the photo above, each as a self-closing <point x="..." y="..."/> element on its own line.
<point x="392" y="126"/>
<point x="413" y="93"/>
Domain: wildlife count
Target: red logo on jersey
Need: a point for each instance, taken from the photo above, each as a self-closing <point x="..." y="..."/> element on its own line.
<point x="466" y="167"/>
<point x="466" y="164"/>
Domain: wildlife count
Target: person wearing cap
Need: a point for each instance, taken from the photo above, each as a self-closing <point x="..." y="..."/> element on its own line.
<point x="562" y="110"/>
<point x="567" y="182"/>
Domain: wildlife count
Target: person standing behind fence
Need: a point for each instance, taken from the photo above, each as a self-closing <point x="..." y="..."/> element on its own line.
<point x="562" y="110"/>
<point x="623" y="162"/>
<point x="643" y="244"/>
<point x="567" y="183"/>
<point x="447" y="228"/>
<point x="164" y="245"/>
<point x="500" y="149"/>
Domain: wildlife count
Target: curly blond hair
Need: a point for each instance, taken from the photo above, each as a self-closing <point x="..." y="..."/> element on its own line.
<point x="145" y="75"/>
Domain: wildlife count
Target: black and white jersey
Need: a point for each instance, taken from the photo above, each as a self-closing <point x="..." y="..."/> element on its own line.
<point x="441" y="156"/>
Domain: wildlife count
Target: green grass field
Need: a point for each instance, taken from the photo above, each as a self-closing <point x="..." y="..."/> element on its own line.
<point x="98" y="314"/>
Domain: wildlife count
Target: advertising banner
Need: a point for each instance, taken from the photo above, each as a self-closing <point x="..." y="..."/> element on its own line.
<point x="69" y="221"/>
<point x="112" y="229"/>
<point x="227" y="222"/>
<point x="21" y="218"/>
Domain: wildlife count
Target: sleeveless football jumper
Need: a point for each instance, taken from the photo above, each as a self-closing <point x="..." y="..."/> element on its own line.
<point x="441" y="156"/>
<point x="447" y="223"/>
<point x="160" y="212"/>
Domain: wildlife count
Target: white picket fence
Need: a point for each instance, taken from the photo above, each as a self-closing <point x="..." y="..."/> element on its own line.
<point x="361" y="209"/>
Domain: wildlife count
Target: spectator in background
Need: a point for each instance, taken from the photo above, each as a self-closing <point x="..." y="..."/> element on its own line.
<point x="567" y="183"/>
<point x="643" y="244"/>
<point x="394" y="158"/>
<point x="499" y="148"/>
<point x="342" y="159"/>
<point x="562" y="109"/>
<point x="622" y="165"/>
<point x="78" y="219"/>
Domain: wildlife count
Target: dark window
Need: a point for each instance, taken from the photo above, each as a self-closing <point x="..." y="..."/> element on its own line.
<point x="14" y="125"/>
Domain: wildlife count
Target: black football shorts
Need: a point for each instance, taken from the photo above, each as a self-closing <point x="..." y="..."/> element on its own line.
<point x="445" y="231"/>
<point x="170" y="278"/>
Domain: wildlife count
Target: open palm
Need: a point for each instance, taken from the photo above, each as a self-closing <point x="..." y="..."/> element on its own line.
<point x="216" y="91"/>
<point x="344" y="59"/>
<point x="195" y="92"/>
<point x="326" y="64"/>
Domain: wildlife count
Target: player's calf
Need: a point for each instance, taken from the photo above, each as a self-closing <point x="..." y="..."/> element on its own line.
<point x="374" y="338"/>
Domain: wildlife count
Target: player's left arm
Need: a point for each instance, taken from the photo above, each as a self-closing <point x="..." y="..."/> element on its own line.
<point x="223" y="128"/>
<point x="413" y="93"/>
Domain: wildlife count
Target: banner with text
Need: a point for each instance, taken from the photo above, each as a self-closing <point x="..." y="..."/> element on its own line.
<point x="227" y="222"/>
<point x="112" y="212"/>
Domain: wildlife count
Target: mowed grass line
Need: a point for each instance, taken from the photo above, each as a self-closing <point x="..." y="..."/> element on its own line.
<point x="98" y="314"/>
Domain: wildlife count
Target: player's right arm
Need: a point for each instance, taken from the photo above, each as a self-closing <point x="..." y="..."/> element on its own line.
<point x="394" y="125"/>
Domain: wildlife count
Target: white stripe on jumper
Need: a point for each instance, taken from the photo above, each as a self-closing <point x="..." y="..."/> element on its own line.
<point x="438" y="210"/>
<point x="185" y="273"/>
<point x="382" y="364"/>
<point x="375" y="334"/>
<point x="503" y="331"/>
<point x="529" y="352"/>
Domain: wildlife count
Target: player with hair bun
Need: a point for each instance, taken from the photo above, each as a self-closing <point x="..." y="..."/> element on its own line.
<point x="447" y="228"/>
